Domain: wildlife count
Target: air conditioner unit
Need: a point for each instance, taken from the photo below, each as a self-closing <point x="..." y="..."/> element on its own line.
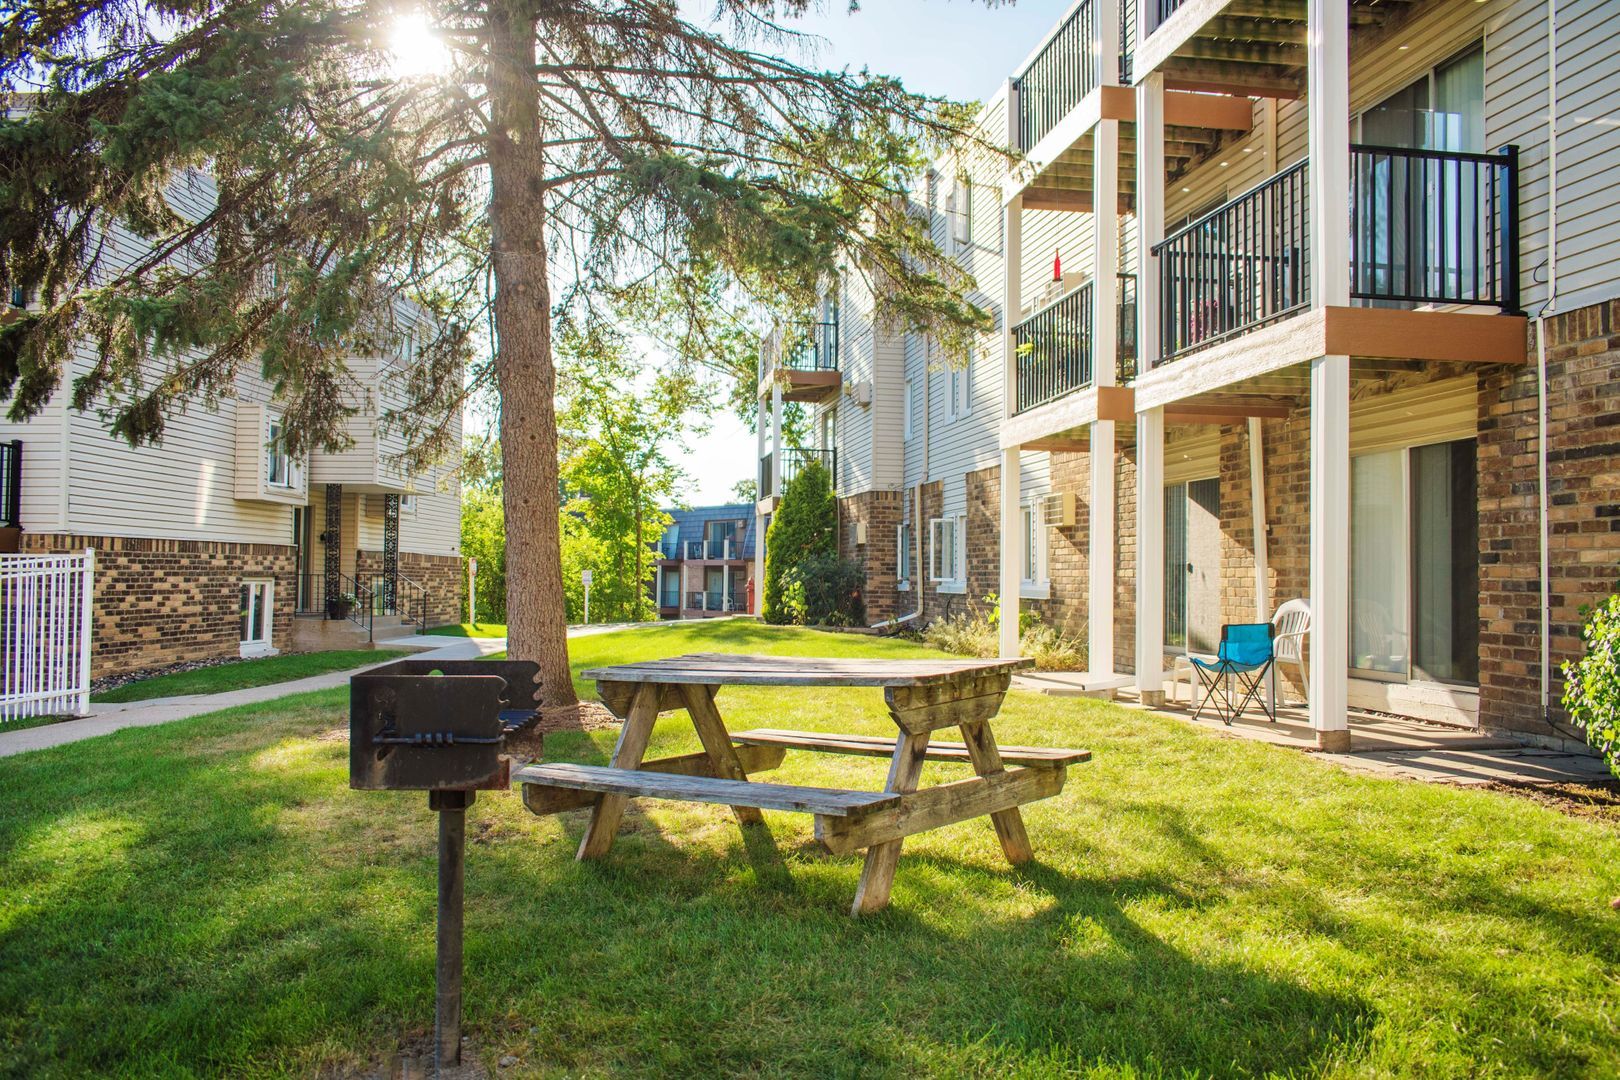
<point x="857" y="534"/>
<point x="1057" y="509"/>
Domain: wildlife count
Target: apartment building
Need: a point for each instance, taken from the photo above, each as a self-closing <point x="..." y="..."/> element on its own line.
<point x="216" y="543"/>
<point x="705" y="559"/>
<point x="1292" y="300"/>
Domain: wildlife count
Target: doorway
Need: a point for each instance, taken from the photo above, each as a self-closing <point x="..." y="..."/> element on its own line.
<point x="1192" y="566"/>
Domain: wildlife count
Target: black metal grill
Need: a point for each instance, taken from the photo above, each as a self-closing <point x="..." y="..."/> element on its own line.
<point x="1064" y="72"/>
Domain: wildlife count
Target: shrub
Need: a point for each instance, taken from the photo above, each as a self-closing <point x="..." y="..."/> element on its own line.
<point x="804" y="525"/>
<point x="976" y="635"/>
<point x="828" y="591"/>
<point x="1592" y="683"/>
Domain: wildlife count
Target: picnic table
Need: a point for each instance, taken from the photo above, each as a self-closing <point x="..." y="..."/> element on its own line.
<point x="923" y="696"/>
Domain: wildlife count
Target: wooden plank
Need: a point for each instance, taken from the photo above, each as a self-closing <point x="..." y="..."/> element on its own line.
<point x="933" y="807"/>
<point x="966" y="700"/>
<point x="717" y="744"/>
<point x="876" y="746"/>
<point x="1396" y="333"/>
<point x="1009" y="823"/>
<point x="624" y="784"/>
<point x="877" y="875"/>
<point x="631" y="748"/>
<point x="724" y="669"/>
<point x="552" y="800"/>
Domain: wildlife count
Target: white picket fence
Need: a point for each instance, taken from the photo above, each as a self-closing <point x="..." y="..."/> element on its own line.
<point x="46" y="604"/>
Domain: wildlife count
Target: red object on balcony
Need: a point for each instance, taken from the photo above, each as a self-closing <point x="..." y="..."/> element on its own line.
<point x="1057" y="265"/>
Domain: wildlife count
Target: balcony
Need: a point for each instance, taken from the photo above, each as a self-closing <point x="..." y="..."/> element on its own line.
<point x="1063" y="73"/>
<point x="1054" y="345"/>
<point x="1427" y="227"/>
<point x="728" y="547"/>
<point x="792" y="460"/>
<point x="669" y="549"/>
<point x="669" y="599"/>
<point x="804" y="357"/>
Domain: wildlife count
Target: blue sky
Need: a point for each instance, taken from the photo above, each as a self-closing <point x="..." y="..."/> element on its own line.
<point x="949" y="47"/>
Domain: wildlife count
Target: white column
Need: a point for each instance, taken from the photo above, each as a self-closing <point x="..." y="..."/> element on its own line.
<point x="1328" y="129"/>
<point x="1257" y="518"/>
<point x="1012" y="524"/>
<point x="1012" y="550"/>
<point x="1150" y="556"/>
<point x="1105" y="24"/>
<point x="1101" y="531"/>
<point x="1149" y="211"/>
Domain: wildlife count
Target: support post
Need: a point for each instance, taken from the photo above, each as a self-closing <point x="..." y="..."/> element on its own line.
<point x="1149" y="209"/>
<point x="1150" y="556"/>
<point x="1104" y="368"/>
<point x="451" y="807"/>
<point x="1328" y="130"/>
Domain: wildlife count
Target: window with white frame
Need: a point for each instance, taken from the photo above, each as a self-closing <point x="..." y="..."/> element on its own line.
<point x="959" y="211"/>
<point x="959" y="389"/>
<point x="909" y="407"/>
<point x="278" y="467"/>
<point x="407" y="504"/>
<point x="1032" y="569"/>
<point x="258" y="600"/>
<point x="902" y="562"/>
<point x="945" y="549"/>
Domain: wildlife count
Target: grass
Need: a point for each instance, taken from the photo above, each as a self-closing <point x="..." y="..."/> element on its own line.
<point x="209" y="898"/>
<point x="241" y="674"/>
<point x="470" y="630"/>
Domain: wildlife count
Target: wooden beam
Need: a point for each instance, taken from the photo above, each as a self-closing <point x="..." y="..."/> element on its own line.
<point x="1116" y="403"/>
<point x="1223" y="112"/>
<point x="1256" y="30"/>
<point x="934" y="807"/>
<point x="1051" y="198"/>
<point x="1060" y="445"/>
<point x="1426" y="335"/>
<point x="1243" y="52"/>
<point x="1214" y="77"/>
<point x="551" y="800"/>
<point x="1282" y="10"/>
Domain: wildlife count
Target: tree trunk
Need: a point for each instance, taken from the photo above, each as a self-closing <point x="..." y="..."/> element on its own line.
<point x="525" y="378"/>
<point x="639" y="611"/>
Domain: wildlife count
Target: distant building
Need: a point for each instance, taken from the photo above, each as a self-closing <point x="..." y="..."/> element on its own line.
<point x="703" y="562"/>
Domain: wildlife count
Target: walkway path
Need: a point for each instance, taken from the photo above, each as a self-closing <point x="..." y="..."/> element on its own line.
<point x="105" y="719"/>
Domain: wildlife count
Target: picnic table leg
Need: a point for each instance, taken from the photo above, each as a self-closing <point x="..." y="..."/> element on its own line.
<point x="877" y="876"/>
<point x="981" y="745"/>
<point x="633" y="738"/>
<point x="717" y="744"/>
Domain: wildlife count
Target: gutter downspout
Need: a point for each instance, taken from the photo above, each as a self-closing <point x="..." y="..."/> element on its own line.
<point x="1541" y="354"/>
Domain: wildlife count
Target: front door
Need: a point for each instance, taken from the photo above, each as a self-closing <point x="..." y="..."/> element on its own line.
<point x="302" y="534"/>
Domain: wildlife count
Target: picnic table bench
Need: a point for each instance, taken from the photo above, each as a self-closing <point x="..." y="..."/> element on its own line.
<point x="923" y="696"/>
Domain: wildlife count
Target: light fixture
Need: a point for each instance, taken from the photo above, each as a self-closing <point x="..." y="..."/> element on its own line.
<point x="1248" y="149"/>
<point x="1224" y="164"/>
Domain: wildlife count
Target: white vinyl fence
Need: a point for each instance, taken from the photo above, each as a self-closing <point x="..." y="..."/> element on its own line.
<point x="45" y="616"/>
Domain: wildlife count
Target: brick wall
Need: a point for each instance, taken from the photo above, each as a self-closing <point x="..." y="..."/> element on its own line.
<point x="161" y="602"/>
<point x="1583" y="493"/>
<point x="881" y="512"/>
<point x="443" y="576"/>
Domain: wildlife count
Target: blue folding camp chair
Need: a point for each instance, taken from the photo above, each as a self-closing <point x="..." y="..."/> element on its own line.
<point x="1244" y="657"/>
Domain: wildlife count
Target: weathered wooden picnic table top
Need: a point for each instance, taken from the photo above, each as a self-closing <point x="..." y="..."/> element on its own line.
<point x="737" y="670"/>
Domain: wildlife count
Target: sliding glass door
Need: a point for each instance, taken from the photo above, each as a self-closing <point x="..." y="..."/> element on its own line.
<point x="1192" y="566"/>
<point x="1414" y="564"/>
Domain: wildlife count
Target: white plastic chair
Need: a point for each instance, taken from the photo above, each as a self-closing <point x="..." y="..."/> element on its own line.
<point x="1290" y="626"/>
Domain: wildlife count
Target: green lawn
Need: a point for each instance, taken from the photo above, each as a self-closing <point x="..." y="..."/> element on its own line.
<point x="245" y="673"/>
<point x="484" y="629"/>
<point x="209" y="898"/>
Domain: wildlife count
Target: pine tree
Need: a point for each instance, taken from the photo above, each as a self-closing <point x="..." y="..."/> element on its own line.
<point x="568" y="157"/>
<point x="803" y="528"/>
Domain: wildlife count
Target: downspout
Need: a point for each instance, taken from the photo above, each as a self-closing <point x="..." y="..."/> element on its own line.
<point x="916" y="513"/>
<point x="1541" y="354"/>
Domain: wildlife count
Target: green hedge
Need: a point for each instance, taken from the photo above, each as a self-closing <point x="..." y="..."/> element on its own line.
<point x="1592" y="683"/>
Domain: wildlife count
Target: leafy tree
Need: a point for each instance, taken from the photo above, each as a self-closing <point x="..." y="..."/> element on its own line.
<point x="746" y="491"/>
<point x="804" y="526"/>
<point x="619" y="423"/>
<point x="564" y="155"/>
<point x="483" y="537"/>
<point x="1592" y="683"/>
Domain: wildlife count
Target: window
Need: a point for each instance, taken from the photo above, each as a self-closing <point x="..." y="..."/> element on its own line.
<point x="1032" y="571"/>
<point x="959" y="389"/>
<point x="959" y="211"/>
<point x="945" y="549"/>
<point x="407" y="504"/>
<point x="257" y="611"/>
<point x="908" y="408"/>
<point x="902" y="560"/>
<point x="278" y="467"/>
<point x="1444" y="109"/>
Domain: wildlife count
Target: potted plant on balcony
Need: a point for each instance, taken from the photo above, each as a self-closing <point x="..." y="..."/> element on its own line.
<point x="341" y="606"/>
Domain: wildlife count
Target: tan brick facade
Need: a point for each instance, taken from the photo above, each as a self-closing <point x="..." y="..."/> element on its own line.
<point x="881" y="512"/>
<point x="166" y="601"/>
<point x="443" y="577"/>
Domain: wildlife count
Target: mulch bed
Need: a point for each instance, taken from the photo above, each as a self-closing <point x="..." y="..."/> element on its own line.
<point x="113" y="682"/>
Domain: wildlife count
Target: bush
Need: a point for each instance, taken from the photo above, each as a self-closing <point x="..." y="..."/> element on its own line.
<point x="1592" y="683"/>
<point x="976" y="635"/>
<point x="804" y="526"/>
<point x="825" y="590"/>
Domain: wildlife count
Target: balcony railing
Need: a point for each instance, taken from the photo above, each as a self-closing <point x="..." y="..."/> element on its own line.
<point x="1054" y="345"/>
<point x="812" y="347"/>
<point x="728" y="547"/>
<point x="1064" y="72"/>
<point x="669" y="549"/>
<point x="11" y="484"/>
<point x="1426" y="227"/>
<point x="669" y="598"/>
<point x="793" y="459"/>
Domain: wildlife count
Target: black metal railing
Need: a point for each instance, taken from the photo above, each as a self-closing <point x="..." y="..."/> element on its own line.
<point x="1163" y="9"/>
<point x="669" y="549"/>
<point x="1238" y="267"/>
<point x="811" y="347"/>
<point x="792" y="460"/>
<point x="723" y="548"/>
<point x="348" y="598"/>
<point x="11" y="484"/>
<point x="1434" y="227"/>
<point x="1426" y="227"/>
<point x="669" y="598"/>
<point x="1062" y="73"/>
<point x="411" y="601"/>
<point x="1054" y="345"/>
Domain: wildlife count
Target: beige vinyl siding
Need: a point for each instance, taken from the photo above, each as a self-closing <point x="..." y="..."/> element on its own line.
<point x="41" y="501"/>
<point x="1440" y="411"/>
<point x="856" y="364"/>
<point x="1191" y="452"/>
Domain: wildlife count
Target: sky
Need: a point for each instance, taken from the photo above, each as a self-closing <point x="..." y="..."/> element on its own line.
<point x="949" y="47"/>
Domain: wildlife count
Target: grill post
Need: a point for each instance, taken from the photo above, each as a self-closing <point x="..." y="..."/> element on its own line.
<point x="451" y="807"/>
